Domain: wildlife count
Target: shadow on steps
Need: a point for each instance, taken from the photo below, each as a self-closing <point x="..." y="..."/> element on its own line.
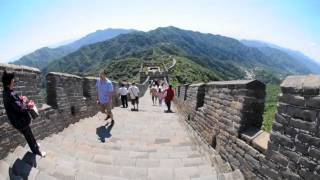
<point x="104" y="132"/>
<point x="21" y="168"/>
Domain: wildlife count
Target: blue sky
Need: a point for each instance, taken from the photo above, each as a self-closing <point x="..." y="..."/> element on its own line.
<point x="26" y="25"/>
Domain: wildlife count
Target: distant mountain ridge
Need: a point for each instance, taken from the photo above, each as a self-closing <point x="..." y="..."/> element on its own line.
<point x="226" y="57"/>
<point x="311" y="64"/>
<point x="200" y="56"/>
<point x="41" y="57"/>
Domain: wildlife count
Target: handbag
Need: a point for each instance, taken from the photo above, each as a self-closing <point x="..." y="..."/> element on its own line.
<point x="34" y="113"/>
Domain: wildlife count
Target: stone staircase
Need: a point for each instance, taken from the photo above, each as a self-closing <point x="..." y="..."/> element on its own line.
<point x="148" y="144"/>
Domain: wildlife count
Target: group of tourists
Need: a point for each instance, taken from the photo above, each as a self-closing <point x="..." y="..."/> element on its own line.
<point x="160" y="92"/>
<point x="18" y="108"/>
<point x="133" y="93"/>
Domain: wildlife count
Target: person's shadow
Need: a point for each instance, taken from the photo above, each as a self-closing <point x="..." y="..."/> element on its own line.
<point x="104" y="132"/>
<point x="22" y="167"/>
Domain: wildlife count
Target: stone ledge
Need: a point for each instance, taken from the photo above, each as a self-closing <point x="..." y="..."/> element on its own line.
<point x="250" y="84"/>
<point x="91" y="78"/>
<point x="21" y="68"/>
<point x="250" y="134"/>
<point x="64" y="75"/>
<point x="256" y="138"/>
<point x="44" y="107"/>
<point x="261" y="142"/>
<point x="197" y="85"/>
<point x="305" y="85"/>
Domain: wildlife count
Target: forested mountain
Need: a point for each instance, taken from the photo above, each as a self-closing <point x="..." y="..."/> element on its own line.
<point x="280" y="54"/>
<point x="225" y="58"/>
<point x="41" y="57"/>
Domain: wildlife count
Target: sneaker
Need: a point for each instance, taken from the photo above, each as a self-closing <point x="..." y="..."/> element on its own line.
<point x="42" y="154"/>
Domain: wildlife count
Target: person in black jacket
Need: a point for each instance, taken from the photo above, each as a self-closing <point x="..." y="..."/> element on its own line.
<point x="17" y="111"/>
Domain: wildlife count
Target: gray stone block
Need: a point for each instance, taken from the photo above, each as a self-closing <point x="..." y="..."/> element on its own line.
<point x="292" y="84"/>
<point x="313" y="102"/>
<point x="305" y="138"/>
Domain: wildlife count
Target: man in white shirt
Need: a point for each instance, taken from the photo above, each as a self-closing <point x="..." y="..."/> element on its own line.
<point x="124" y="96"/>
<point x="134" y="96"/>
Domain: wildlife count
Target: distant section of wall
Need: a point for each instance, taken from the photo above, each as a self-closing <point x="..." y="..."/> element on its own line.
<point x="229" y="120"/>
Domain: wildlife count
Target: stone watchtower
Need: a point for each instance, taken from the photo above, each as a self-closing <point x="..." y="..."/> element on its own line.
<point x="153" y="70"/>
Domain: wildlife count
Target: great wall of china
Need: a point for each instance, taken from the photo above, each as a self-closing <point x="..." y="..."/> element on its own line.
<point x="224" y="117"/>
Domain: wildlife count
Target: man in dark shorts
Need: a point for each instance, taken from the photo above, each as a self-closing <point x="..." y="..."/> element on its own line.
<point x="134" y="96"/>
<point x="104" y="95"/>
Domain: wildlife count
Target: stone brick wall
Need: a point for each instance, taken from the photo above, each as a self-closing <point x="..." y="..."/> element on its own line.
<point x="230" y="120"/>
<point x="90" y="94"/>
<point x="69" y="98"/>
<point x="183" y="92"/>
<point x="65" y="93"/>
<point x="294" y="145"/>
<point x="27" y="83"/>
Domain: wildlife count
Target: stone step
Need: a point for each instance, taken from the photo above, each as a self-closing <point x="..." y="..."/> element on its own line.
<point x="88" y="153"/>
<point x="118" y="146"/>
<point x="4" y="170"/>
<point x="67" y="169"/>
<point x="163" y="141"/>
<point x="211" y="177"/>
<point x="233" y="175"/>
<point x="44" y="176"/>
<point x="132" y="159"/>
<point x="62" y="167"/>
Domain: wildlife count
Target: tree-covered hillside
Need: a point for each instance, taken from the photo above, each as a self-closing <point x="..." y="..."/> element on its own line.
<point x="225" y="57"/>
<point x="43" y="56"/>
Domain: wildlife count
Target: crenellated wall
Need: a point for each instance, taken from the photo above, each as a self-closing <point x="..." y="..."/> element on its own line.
<point x="294" y="145"/>
<point x="65" y="93"/>
<point x="69" y="99"/>
<point x="227" y="116"/>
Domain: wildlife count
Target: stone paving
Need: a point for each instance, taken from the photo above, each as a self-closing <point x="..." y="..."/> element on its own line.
<point x="148" y="145"/>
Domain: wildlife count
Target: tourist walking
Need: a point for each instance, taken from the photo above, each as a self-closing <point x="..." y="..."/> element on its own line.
<point x="160" y="95"/>
<point x="17" y="109"/>
<point x="134" y="96"/>
<point x="124" y="95"/>
<point x="153" y="93"/>
<point x="169" y="94"/>
<point x="104" y="95"/>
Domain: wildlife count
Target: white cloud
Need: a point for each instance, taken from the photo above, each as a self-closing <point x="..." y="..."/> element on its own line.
<point x="313" y="44"/>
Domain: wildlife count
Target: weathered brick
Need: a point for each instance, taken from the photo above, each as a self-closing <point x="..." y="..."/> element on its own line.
<point x="315" y="153"/>
<point x="281" y="139"/>
<point x="307" y="163"/>
<point x="305" y="138"/>
<point x="313" y="102"/>
<point x="292" y="99"/>
<point x="299" y="124"/>
<point x="278" y="158"/>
